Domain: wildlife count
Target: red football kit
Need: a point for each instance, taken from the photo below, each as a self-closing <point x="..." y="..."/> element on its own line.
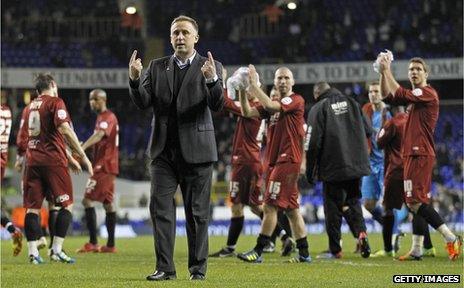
<point x="418" y="144"/>
<point x="100" y="187"/>
<point x="245" y="184"/>
<point x="46" y="173"/>
<point x="285" y="153"/>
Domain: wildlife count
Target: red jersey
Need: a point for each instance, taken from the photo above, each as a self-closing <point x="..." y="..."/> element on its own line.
<point x="46" y="146"/>
<point x="423" y="116"/>
<point x="5" y="129"/>
<point x="286" y="143"/>
<point x="247" y="139"/>
<point x="22" y="137"/>
<point x="390" y="138"/>
<point x="106" y="151"/>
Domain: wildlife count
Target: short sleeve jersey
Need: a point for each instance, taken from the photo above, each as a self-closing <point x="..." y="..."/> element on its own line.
<point x="106" y="151"/>
<point x="46" y="146"/>
<point x="390" y="138"/>
<point x="423" y="116"/>
<point x="246" y="143"/>
<point x="286" y="143"/>
<point x="22" y="137"/>
<point x="5" y="129"/>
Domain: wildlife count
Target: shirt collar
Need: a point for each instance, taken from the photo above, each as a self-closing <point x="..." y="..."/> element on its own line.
<point x="181" y="64"/>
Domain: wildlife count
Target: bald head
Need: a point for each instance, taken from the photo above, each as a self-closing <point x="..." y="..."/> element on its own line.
<point x="98" y="93"/>
<point x="284" y="81"/>
<point x="320" y="88"/>
<point x="97" y="99"/>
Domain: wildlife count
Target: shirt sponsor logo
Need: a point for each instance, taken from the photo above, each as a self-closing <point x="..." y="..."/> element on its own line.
<point x="32" y="144"/>
<point x="61" y="114"/>
<point x="103" y="125"/>
<point x="339" y="107"/>
<point x="417" y="92"/>
<point x="286" y="100"/>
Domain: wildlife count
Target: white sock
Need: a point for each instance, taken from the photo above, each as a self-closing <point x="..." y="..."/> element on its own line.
<point x="231" y="247"/>
<point x="57" y="244"/>
<point x="417" y="245"/>
<point x="32" y="247"/>
<point x="394" y="236"/>
<point x="447" y="234"/>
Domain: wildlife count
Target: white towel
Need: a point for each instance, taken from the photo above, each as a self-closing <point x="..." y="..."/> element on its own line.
<point x="238" y="81"/>
<point x="376" y="64"/>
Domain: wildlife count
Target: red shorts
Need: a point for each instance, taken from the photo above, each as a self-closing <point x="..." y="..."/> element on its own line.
<point x="282" y="187"/>
<point x="393" y="196"/>
<point x="51" y="182"/>
<point x="245" y="184"/>
<point x="100" y="187"/>
<point x="418" y="178"/>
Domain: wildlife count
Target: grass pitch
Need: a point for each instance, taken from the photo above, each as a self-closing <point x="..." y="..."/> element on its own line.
<point x="135" y="260"/>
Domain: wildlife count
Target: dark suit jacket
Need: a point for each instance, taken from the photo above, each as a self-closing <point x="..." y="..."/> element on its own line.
<point x="195" y="101"/>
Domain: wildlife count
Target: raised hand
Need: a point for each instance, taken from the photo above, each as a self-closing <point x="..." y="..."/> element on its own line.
<point x="209" y="69"/>
<point x="384" y="61"/>
<point x="252" y="75"/>
<point x="135" y="66"/>
<point x="74" y="165"/>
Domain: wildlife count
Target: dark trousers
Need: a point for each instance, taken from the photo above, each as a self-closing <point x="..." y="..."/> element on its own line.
<point x="167" y="171"/>
<point x="336" y="196"/>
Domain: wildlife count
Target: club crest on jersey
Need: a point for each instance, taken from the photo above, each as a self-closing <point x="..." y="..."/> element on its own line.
<point x="286" y="100"/>
<point x="103" y="125"/>
<point x="61" y="114"/>
<point x="417" y="92"/>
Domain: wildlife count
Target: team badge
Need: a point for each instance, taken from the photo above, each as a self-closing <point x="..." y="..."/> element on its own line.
<point x="417" y="92"/>
<point x="286" y="100"/>
<point x="62" y="114"/>
<point x="103" y="125"/>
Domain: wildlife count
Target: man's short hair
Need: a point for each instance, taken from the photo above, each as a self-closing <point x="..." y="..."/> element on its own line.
<point x="321" y="86"/>
<point x="185" y="18"/>
<point x="421" y="61"/>
<point x="43" y="82"/>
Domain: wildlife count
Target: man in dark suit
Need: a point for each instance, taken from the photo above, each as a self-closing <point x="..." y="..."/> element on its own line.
<point x="182" y="89"/>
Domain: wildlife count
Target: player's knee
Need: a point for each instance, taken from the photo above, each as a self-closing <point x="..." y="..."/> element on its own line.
<point x="269" y="209"/>
<point x="237" y="210"/>
<point x="413" y="207"/>
<point x="31" y="210"/>
<point x="87" y="203"/>
<point x="256" y="209"/>
<point x="369" y="204"/>
<point x="108" y="207"/>
<point x="68" y="207"/>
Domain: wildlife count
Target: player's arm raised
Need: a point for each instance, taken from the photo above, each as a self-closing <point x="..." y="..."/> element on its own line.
<point x="388" y="84"/>
<point x="73" y="142"/>
<point x="268" y="104"/>
<point x="246" y="109"/>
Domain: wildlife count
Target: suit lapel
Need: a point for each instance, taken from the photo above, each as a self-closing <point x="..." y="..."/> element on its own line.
<point x="170" y="74"/>
<point x="191" y="72"/>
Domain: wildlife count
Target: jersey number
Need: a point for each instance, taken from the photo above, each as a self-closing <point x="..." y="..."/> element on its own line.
<point x="34" y="123"/>
<point x="5" y="126"/>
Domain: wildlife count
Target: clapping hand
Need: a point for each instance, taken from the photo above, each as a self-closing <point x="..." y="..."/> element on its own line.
<point x="384" y="62"/>
<point x="135" y="66"/>
<point x="209" y="68"/>
<point x="252" y="75"/>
